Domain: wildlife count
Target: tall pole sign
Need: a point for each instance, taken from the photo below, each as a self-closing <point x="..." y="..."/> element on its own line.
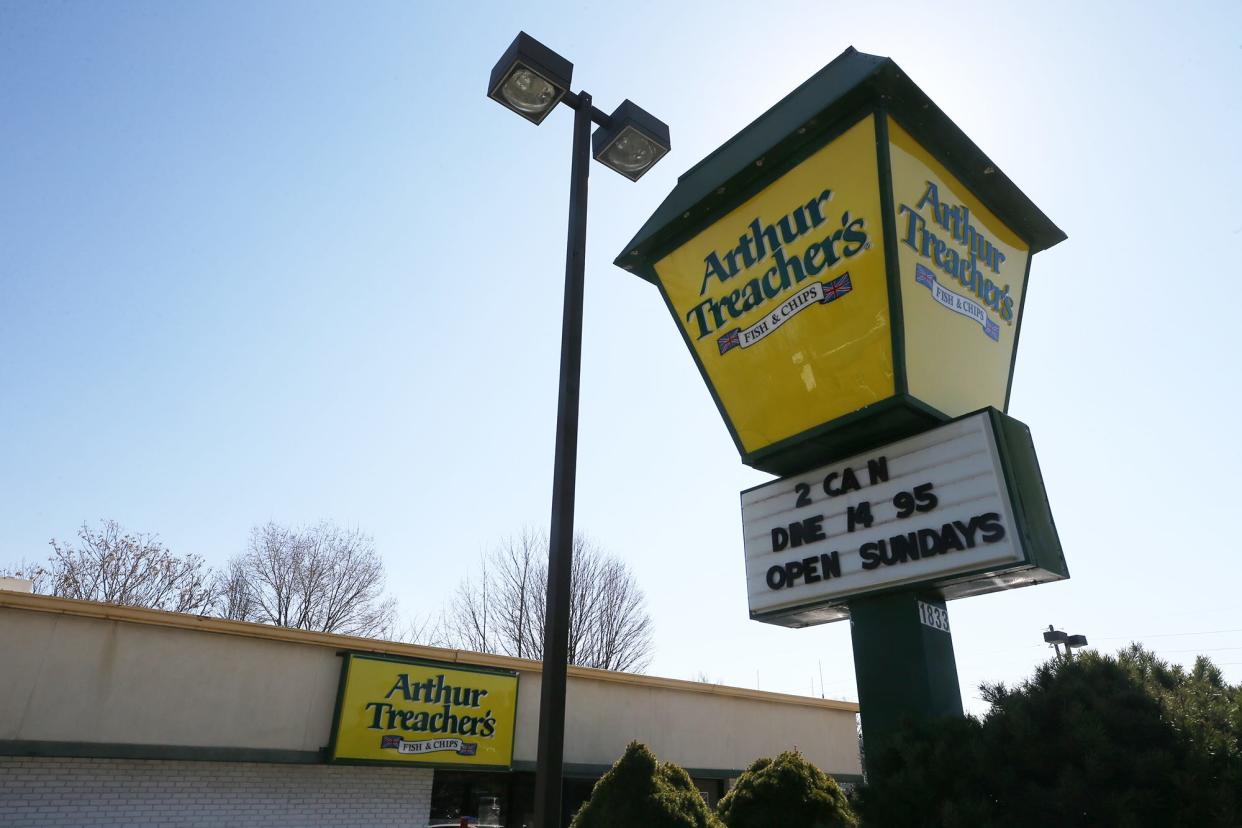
<point x="848" y="274"/>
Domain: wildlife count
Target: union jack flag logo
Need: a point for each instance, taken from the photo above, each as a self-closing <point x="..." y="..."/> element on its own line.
<point x="837" y="288"/>
<point x="731" y="340"/>
<point x="390" y="742"/>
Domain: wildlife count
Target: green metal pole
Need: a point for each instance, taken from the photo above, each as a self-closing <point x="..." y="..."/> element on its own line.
<point x="904" y="665"/>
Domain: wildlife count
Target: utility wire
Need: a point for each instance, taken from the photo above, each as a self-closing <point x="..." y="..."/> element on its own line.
<point x="1161" y="635"/>
<point x="1201" y="650"/>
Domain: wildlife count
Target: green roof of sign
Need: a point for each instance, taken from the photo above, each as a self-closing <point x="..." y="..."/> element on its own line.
<point x="845" y="89"/>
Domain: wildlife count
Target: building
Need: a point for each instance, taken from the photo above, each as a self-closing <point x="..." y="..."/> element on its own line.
<point x="116" y="716"/>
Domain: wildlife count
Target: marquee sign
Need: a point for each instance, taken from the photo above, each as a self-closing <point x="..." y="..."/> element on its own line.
<point x="959" y="510"/>
<point x="411" y="712"/>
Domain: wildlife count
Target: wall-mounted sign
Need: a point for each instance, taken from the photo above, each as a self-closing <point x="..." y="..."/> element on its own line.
<point x="847" y="270"/>
<point x="959" y="509"/>
<point x="411" y="712"/>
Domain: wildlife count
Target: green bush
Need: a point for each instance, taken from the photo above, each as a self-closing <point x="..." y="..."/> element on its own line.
<point x="1207" y="712"/>
<point x="1124" y="741"/>
<point x="787" y="790"/>
<point x="638" y="791"/>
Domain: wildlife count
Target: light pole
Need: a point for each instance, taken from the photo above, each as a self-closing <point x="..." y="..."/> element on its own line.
<point x="531" y="80"/>
<point x="1059" y="639"/>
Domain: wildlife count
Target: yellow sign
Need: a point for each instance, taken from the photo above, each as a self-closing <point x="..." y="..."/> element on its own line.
<point x="962" y="277"/>
<point x="784" y="299"/>
<point x="836" y="284"/>
<point x="411" y="712"/>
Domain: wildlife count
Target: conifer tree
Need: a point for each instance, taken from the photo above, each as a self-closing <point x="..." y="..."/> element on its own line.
<point x="787" y="790"/>
<point x="640" y="791"/>
<point x="1097" y="740"/>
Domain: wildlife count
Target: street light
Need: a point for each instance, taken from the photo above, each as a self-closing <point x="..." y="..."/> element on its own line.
<point x="632" y="141"/>
<point x="1059" y="639"/>
<point x="531" y="80"/>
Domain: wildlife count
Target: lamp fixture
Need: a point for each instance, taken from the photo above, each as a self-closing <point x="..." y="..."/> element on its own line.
<point x="1054" y="637"/>
<point x="631" y="141"/>
<point x="530" y="78"/>
<point x="1059" y="639"/>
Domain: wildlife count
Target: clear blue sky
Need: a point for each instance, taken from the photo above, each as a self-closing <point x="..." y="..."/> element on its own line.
<point x="285" y="261"/>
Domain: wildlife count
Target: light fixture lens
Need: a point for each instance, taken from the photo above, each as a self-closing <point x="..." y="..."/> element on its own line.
<point x="527" y="92"/>
<point x="631" y="152"/>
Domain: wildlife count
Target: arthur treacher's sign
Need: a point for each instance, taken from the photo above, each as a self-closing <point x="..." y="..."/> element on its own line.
<point x="933" y="509"/>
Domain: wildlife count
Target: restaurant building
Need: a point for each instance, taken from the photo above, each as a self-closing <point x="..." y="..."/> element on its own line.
<point x="116" y="716"/>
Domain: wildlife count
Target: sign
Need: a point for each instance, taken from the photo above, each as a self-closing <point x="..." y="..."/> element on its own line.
<point x="411" y="712"/>
<point x="847" y="270"/>
<point x="963" y="273"/>
<point x="784" y="299"/>
<point x="959" y="509"/>
<point x="933" y="616"/>
<point x="848" y="273"/>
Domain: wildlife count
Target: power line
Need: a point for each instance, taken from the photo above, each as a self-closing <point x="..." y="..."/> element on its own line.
<point x="1162" y="635"/>
<point x="1202" y="650"/>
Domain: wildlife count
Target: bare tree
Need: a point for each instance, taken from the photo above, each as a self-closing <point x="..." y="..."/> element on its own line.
<point x="501" y="608"/>
<point x="36" y="573"/>
<point x="323" y="578"/>
<point x="427" y="630"/>
<point x="119" y="567"/>
<point x="234" y="599"/>
<point x="492" y="610"/>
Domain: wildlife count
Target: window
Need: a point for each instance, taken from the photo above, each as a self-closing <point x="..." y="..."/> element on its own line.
<point x="485" y="800"/>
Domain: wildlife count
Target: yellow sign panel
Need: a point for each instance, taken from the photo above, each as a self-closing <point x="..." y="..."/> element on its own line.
<point x="422" y="713"/>
<point x="962" y="277"/>
<point x="784" y="299"/>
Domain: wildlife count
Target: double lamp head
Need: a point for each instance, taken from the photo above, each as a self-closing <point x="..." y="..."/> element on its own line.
<point x="531" y="80"/>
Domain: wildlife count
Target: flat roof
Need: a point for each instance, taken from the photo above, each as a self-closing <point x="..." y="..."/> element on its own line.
<point x="248" y="629"/>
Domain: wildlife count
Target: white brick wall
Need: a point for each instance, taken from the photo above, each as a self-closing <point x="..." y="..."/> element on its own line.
<point x="133" y="792"/>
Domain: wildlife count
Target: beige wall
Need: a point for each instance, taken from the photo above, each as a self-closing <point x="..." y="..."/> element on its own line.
<point x="689" y="724"/>
<point x="93" y="680"/>
<point x="79" y="672"/>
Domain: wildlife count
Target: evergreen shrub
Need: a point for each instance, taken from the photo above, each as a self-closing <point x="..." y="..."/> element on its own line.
<point x="1094" y="741"/>
<point x="786" y="791"/>
<point x="638" y="791"/>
